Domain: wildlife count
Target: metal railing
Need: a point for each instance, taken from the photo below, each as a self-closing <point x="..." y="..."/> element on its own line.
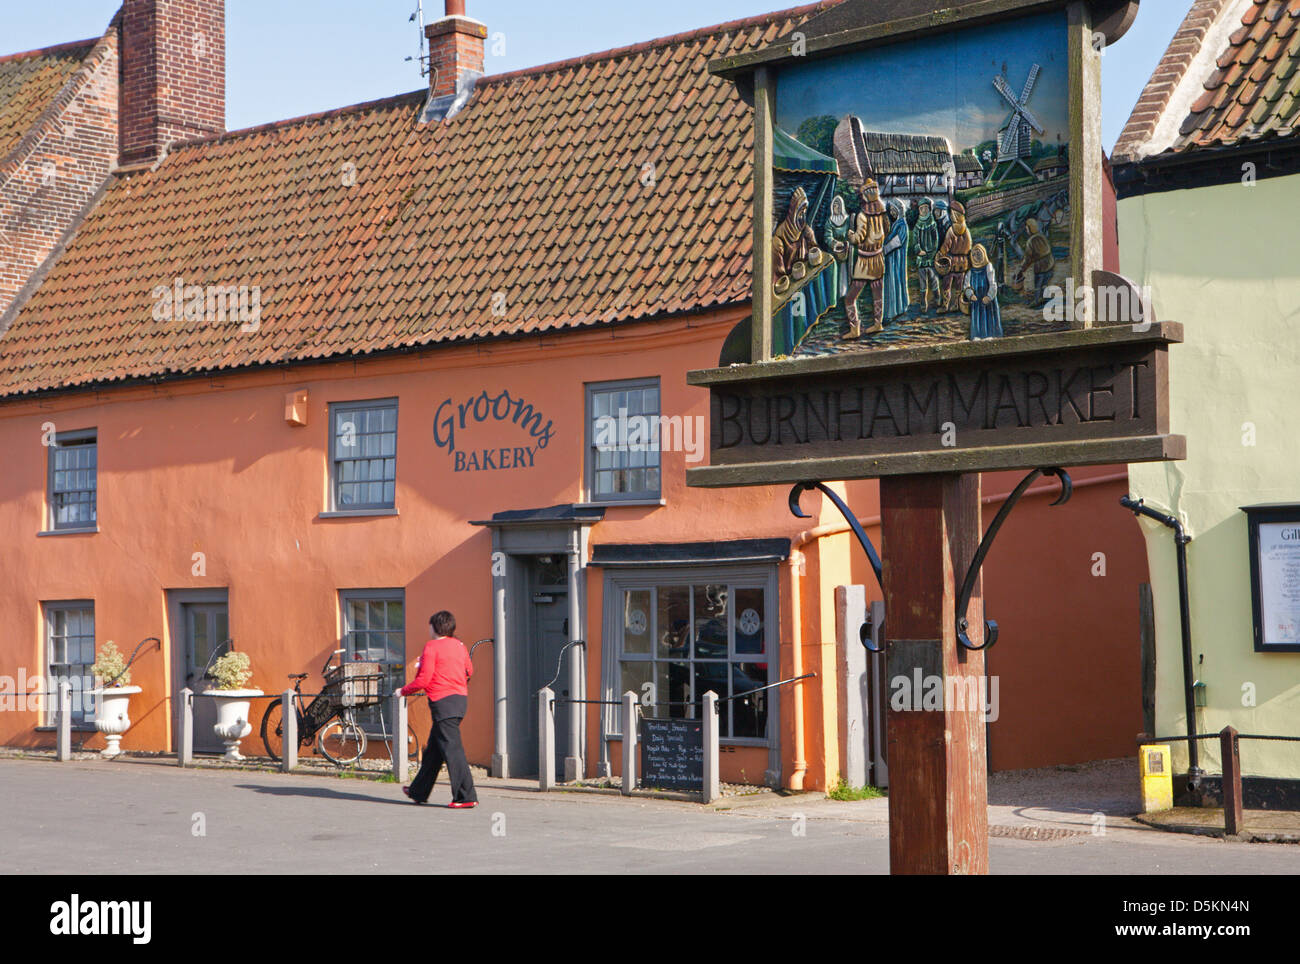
<point x="709" y="703"/>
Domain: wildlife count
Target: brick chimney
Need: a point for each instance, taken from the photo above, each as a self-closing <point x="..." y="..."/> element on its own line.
<point x="456" y="54"/>
<point x="173" y="81"/>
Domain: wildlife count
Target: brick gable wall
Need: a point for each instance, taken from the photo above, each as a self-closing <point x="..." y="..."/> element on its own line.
<point x="60" y="164"/>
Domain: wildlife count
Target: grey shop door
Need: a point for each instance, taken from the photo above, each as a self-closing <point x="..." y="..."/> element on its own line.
<point x="549" y="636"/>
<point x="205" y="627"/>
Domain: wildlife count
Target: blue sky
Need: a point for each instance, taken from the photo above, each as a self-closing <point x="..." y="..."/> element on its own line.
<point x="292" y="57"/>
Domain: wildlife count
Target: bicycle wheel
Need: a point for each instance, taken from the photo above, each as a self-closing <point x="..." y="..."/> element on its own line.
<point x="413" y="746"/>
<point x="342" y="742"/>
<point x="273" y="729"/>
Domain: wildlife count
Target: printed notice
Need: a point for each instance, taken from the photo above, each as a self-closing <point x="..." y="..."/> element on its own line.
<point x="1279" y="582"/>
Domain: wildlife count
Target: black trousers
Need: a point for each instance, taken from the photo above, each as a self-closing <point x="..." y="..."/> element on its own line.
<point x="445" y="747"/>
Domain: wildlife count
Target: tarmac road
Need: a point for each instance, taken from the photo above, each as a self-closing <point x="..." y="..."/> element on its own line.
<point x="147" y="817"/>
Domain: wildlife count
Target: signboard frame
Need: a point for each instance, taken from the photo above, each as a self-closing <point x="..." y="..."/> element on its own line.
<point x="1257" y="516"/>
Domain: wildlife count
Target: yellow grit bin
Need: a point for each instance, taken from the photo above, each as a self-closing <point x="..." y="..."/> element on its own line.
<point x="1157" y="778"/>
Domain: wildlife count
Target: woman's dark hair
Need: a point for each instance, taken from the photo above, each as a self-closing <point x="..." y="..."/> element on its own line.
<point x="443" y="623"/>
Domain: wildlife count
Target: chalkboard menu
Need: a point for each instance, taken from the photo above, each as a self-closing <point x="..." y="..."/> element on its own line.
<point x="672" y="754"/>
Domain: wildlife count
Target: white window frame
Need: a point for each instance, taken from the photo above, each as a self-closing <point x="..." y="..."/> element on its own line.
<point x="80" y="440"/>
<point x="653" y="459"/>
<point x="82" y="718"/>
<point x="337" y="459"/>
<point x="617" y="581"/>
<point x="366" y="716"/>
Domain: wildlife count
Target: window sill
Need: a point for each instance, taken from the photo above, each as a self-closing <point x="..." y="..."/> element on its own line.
<point x="738" y="741"/>
<point x="615" y="503"/>
<point x="83" y="530"/>
<point x="355" y="513"/>
<point x="80" y="728"/>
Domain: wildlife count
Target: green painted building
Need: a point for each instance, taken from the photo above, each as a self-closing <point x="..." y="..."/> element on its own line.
<point x="1208" y="175"/>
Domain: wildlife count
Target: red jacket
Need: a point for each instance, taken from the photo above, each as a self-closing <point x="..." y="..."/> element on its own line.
<point x="445" y="670"/>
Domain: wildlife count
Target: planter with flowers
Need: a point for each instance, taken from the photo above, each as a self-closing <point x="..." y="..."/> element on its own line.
<point x="232" y="674"/>
<point x="112" y="699"/>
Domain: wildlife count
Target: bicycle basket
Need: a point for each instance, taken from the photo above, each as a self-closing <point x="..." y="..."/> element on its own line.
<point x="355" y="684"/>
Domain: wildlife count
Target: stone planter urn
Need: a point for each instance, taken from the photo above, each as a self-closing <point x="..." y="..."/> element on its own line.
<point x="232" y="718"/>
<point x="111" y="718"/>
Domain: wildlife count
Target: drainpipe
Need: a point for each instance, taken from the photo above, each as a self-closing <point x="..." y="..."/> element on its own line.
<point x="500" y="649"/>
<point x="1181" y="538"/>
<point x="573" y="765"/>
<point x="796" y="615"/>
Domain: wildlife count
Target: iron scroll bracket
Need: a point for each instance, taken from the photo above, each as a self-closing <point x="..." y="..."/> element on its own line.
<point x="968" y="585"/>
<point x="864" y="633"/>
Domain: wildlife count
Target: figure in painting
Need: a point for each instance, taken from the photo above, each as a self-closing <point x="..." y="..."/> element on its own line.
<point x="895" y="250"/>
<point x="954" y="254"/>
<point x="1036" y="269"/>
<point x="981" y="290"/>
<point x="794" y="246"/>
<point x="868" y="234"/>
<point x="927" y="246"/>
<point x="837" y="242"/>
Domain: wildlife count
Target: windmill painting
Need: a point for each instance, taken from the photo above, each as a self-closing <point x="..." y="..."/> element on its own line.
<point x="1015" y="138"/>
<point x="921" y="190"/>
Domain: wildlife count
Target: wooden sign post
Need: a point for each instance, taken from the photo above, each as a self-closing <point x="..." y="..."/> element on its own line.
<point x="929" y="304"/>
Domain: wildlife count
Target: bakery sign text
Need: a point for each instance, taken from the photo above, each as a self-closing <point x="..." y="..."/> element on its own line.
<point x="453" y="417"/>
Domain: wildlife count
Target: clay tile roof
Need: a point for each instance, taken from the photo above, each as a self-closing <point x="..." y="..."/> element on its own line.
<point x="609" y="188"/>
<point x="29" y="83"/>
<point x="1229" y="78"/>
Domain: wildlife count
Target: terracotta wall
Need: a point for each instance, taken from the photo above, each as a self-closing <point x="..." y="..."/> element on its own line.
<point x="211" y="466"/>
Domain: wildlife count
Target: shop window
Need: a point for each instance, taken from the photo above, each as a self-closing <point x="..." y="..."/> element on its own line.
<point x="69" y="654"/>
<point x="73" y="482"/>
<point x="623" y="441"/>
<point x="674" y="639"/>
<point x="374" y="630"/>
<point x="363" y="451"/>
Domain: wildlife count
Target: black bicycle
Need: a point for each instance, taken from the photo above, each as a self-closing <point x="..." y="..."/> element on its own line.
<point x="329" y="720"/>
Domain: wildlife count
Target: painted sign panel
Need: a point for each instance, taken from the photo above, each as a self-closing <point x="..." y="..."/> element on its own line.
<point x="921" y="191"/>
<point x="1088" y="397"/>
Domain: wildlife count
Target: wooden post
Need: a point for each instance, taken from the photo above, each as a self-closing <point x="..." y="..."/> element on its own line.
<point x="629" y="743"/>
<point x="712" y="725"/>
<point x="938" y="794"/>
<point x="764" y="215"/>
<point x="185" y="745"/>
<point x="63" y="716"/>
<point x="1231" y="750"/>
<point x="401" y="756"/>
<point x="1085" y="152"/>
<point x="288" y="731"/>
<point x="545" y="738"/>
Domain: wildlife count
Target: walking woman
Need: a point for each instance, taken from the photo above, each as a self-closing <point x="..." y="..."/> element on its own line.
<point x="444" y="675"/>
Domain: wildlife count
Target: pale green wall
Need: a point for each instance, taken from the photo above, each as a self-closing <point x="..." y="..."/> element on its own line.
<point x="1224" y="261"/>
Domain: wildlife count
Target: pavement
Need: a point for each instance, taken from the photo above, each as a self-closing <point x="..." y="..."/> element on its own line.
<point x="1259" y="826"/>
<point x="148" y="816"/>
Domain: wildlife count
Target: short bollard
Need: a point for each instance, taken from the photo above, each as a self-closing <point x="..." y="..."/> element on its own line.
<point x="185" y="748"/>
<point x="1230" y="748"/>
<point x="629" y="743"/>
<point x="712" y="785"/>
<point x="545" y="738"/>
<point x="289" y="732"/>
<point x="401" y="758"/>
<point x="63" y="742"/>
